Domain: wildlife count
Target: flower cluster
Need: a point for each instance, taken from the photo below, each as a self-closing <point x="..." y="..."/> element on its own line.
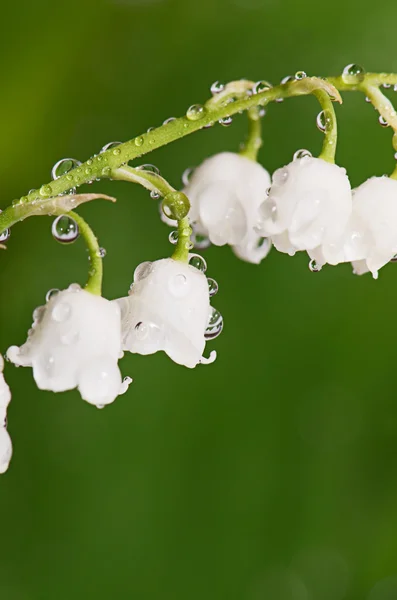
<point x="309" y="206"/>
<point x="77" y="338"/>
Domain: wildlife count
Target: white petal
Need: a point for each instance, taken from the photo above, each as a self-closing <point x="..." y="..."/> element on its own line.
<point x="5" y="450"/>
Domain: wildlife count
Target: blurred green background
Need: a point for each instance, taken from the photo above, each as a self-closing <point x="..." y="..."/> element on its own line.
<point x="274" y="475"/>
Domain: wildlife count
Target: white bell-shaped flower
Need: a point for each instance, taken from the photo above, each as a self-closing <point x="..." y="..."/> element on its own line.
<point x="75" y="341"/>
<point x="5" y="440"/>
<point x="375" y="212"/>
<point x="370" y="237"/>
<point x="225" y="193"/>
<point x="309" y="205"/>
<point x="168" y="308"/>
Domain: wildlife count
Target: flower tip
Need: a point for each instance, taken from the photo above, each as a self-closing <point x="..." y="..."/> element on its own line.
<point x="211" y="359"/>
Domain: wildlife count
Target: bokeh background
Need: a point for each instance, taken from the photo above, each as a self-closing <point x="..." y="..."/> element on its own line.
<point x="272" y="474"/>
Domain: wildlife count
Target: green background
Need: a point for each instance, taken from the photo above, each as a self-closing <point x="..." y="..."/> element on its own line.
<point x="272" y="474"/>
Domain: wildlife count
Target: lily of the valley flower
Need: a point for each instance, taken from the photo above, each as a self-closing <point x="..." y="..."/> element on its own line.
<point x="370" y="237"/>
<point x="5" y="440"/>
<point x="225" y="193"/>
<point x="168" y="308"/>
<point x="309" y="205"/>
<point x="75" y="341"/>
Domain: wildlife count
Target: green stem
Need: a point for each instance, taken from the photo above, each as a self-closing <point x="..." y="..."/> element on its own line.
<point x="254" y="136"/>
<point x="330" y="124"/>
<point x="183" y="245"/>
<point x="95" y="273"/>
<point x="151" y="181"/>
<point x="102" y="165"/>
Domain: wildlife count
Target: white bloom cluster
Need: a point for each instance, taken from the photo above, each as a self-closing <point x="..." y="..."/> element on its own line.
<point x="5" y="440"/>
<point x="309" y="206"/>
<point x="225" y="193"/>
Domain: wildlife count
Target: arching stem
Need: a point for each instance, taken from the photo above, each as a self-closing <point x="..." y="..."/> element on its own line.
<point x="95" y="273"/>
<point x="330" y="124"/>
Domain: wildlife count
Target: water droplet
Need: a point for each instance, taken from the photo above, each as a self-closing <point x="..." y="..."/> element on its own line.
<point x="353" y="73"/>
<point x="195" y="112"/>
<point x="173" y="237"/>
<point x="149" y="168"/>
<point x="125" y="385"/>
<point x="261" y="86"/>
<point x="61" y="312"/>
<point x="101" y="252"/>
<point x="139" y="141"/>
<point x="146" y="330"/>
<point x="116" y="151"/>
<point x="287" y="79"/>
<point x="155" y="194"/>
<point x="178" y="285"/>
<point x="106" y="171"/>
<point x="100" y="406"/>
<point x="74" y="287"/>
<point x="186" y="175"/>
<point x="215" y="324"/>
<point x="143" y="270"/>
<point x="63" y="166"/>
<point x="216" y="87"/>
<point x="169" y="120"/>
<point x="268" y="210"/>
<point x="383" y="122"/>
<point x="45" y="190"/>
<point x="65" y="229"/>
<point x="324" y="121"/>
<point x="386" y="85"/>
<point x="200" y="241"/>
<point x="226" y="121"/>
<point x="109" y="146"/>
<point x="50" y="294"/>
<point x="212" y="286"/>
<point x="302" y="153"/>
<point x="300" y="75"/>
<point x="279" y="177"/>
<point x="314" y="266"/>
<point x="198" y="262"/>
<point x="367" y="99"/>
<point x="4" y="235"/>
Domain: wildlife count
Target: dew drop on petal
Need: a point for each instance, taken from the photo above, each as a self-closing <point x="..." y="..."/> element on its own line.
<point x="212" y="286"/>
<point x="195" y="112"/>
<point x="198" y="262"/>
<point x="178" y="285"/>
<point x="61" y="312"/>
<point x="268" y="210"/>
<point x="173" y="237"/>
<point x="65" y="229"/>
<point x="279" y="178"/>
<point x="215" y="324"/>
<point x="302" y="153"/>
<point x="143" y="270"/>
<point x="226" y="121"/>
<point x="64" y="166"/>
<point x="50" y="294"/>
<point x="125" y="385"/>
<point x="314" y="266"/>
